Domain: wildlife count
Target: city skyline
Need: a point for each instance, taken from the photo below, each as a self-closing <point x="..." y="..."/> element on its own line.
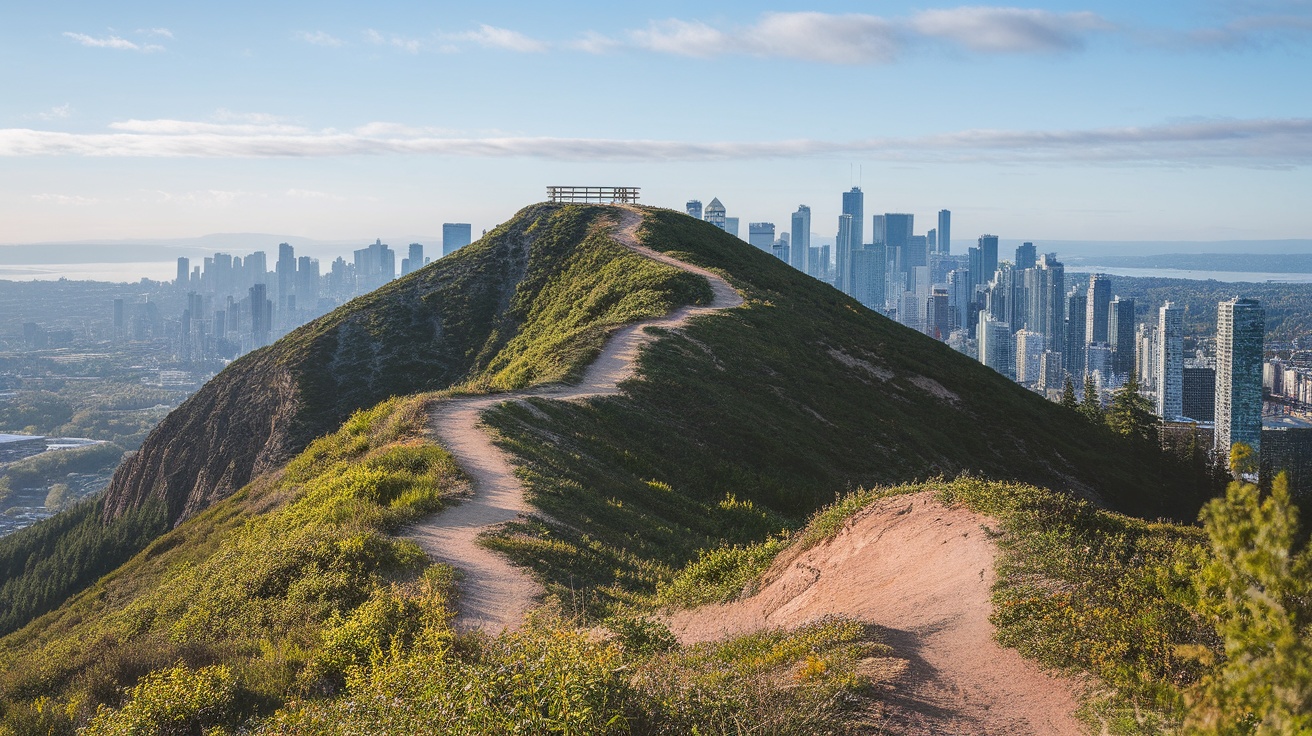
<point x="1119" y="122"/>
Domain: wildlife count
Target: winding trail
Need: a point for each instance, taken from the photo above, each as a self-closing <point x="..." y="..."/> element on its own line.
<point x="495" y="594"/>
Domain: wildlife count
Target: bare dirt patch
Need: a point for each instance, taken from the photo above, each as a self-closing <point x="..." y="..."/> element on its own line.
<point x="921" y="572"/>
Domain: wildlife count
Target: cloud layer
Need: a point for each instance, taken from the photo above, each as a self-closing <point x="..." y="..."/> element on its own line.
<point x="857" y="38"/>
<point x="1282" y="142"/>
<point x="115" y="42"/>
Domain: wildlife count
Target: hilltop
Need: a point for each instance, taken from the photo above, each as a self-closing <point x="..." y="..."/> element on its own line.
<point x="285" y="589"/>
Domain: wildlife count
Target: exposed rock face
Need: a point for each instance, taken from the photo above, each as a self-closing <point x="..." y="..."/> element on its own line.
<point x="424" y="332"/>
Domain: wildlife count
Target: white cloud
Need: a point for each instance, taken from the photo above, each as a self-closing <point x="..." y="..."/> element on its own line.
<point x="501" y="38"/>
<point x="58" y="112"/>
<point x="684" y="38"/>
<point x="409" y="45"/>
<point x="112" y="42"/>
<point x="823" y="37"/>
<point x="595" y="43"/>
<point x="1263" y="142"/>
<point x="858" y="38"/>
<point x="1009" y="30"/>
<point x="160" y="32"/>
<point x="192" y="127"/>
<point x="318" y="38"/>
<point x="65" y="199"/>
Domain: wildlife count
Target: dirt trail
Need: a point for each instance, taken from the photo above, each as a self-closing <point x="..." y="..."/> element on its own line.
<point x="494" y="594"/>
<point x="922" y="572"/>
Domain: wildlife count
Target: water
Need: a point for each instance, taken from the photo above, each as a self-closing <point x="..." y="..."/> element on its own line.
<point x="116" y="272"/>
<point x="1180" y="273"/>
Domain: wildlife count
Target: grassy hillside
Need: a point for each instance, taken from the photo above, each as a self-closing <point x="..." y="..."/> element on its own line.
<point x="288" y="607"/>
<point x="747" y="421"/>
<point x="529" y="303"/>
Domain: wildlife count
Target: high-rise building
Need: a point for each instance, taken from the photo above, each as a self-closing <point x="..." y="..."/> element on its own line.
<point x="307" y="282"/>
<point x="456" y="235"/>
<point x="988" y="258"/>
<point x="868" y="275"/>
<point x="879" y="229"/>
<point x="944" y="232"/>
<point x="1120" y="335"/>
<point x="1198" y="394"/>
<point x="1170" y="362"/>
<point x="931" y="237"/>
<point x="1076" y="315"/>
<point x="800" y="244"/>
<point x="374" y="266"/>
<point x="414" y="260"/>
<point x="261" y="310"/>
<point x="731" y="226"/>
<point x="961" y="292"/>
<point x="184" y="272"/>
<point x="1027" y="256"/>
<point x="761" y="235"/>
<point x="995" y="348"/>
<point x="1030" y="347"/>
<point x="854" y="204"/>
<point x="1097" y="302"/>
<point x="1240" y="330"/>
<point x="694" y="208"/>
<point x="938" y="314"/>
<point x="1045" y="288"/>
<point x="714" y="213"/>
<point x="286" y="268"/>
<point x="843" y="253"/>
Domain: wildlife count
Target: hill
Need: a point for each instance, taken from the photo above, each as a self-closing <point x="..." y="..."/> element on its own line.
<point x="293" y="602"/>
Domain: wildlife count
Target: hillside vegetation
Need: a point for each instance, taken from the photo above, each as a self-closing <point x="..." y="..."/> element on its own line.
<point x="529" y="303"/>
<point x="290" y="606"/>
<point x="747" y="421"/>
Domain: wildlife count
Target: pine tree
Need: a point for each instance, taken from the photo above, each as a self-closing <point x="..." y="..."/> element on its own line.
<point x="1090" y="406"/>
<point x="1068" y="395"/>
<point x="1131" y="414"/>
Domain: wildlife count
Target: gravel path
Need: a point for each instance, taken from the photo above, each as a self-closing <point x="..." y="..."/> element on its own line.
<point x="494" y="594"/>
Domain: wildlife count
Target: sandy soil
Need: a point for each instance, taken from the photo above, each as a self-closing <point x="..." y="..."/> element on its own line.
<point x="494" y="594"/>
<point x="922" y="572"/>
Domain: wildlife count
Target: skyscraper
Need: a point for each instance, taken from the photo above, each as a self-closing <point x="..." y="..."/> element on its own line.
<point x="1077" y="314"/>
<point x="854" y="205"/>
<point x="868" y="275"/>
<point x="1100" y="296"/>
<point x="879" y="229"/>
<point x="801" y="237"/>
<point x="1170" y="362"/>
<point x="694" y="208"/>
<point x="988" y="258"/>
<point x="184" y="272"/>
<point x="995" y="348"/>
<point x="1240" y="329"/>
<point x="714" y="213"/>
<point x="731" y="226"/>
<point x="1120" y="335"/>
<point x="944" y="232"/>
<point x="843" y="254"/>
<point x="1026" y="256"/>
<point x="761" y="235"/>
<point x="455" y="235"/>
<point x="414" y="260"/>
<point x="286" y="268"/>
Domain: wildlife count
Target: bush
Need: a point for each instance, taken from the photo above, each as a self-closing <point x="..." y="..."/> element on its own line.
<point x="178" y="701"/>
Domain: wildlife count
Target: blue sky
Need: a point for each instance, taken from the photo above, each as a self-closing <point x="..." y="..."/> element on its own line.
<point x="1060" y="120"/>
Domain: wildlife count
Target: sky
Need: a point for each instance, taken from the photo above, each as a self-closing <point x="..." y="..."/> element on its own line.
<point x="1170" y="120"/>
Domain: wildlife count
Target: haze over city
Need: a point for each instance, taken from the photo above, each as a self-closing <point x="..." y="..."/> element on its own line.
<point x="1124" y="121"/>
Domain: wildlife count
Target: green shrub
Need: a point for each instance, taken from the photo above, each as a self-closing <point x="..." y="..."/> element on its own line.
<point x="178" y="701"/>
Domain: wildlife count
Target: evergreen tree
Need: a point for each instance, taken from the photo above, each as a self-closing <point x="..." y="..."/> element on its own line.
<point x="1090" y="406"/>
<point x="1131" y="414"/>
<point x="1068" y="395"/>
<point x="1257" y="592"/>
